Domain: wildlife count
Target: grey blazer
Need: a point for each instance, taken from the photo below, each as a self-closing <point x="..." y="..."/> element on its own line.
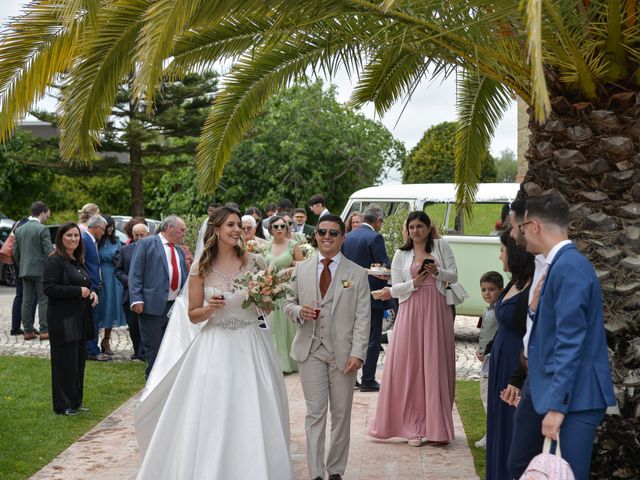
<point x="350" y="310"/>
<point x="31" y="249"/>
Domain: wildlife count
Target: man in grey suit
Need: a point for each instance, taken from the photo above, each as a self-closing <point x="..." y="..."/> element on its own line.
<point x="332" y="309"/>
<point x="158" y="271"/>
<point x="31" y="249"/>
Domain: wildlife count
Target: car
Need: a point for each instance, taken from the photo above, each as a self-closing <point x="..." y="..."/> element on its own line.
<point x="122" y="220"/>
<point x="7" y="271"/>
<point x="6" y="221"/>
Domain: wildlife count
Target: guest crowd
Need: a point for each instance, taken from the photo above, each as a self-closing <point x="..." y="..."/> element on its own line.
<point x="545" y="371"/>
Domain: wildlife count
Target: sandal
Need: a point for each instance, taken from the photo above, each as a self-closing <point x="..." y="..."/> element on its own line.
<point x="415" y="441"/>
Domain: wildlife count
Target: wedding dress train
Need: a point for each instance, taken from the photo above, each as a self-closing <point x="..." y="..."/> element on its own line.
<point x="215" y="408"/>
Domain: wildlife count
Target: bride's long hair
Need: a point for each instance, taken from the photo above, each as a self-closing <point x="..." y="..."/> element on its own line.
<point x="211" y="249"/>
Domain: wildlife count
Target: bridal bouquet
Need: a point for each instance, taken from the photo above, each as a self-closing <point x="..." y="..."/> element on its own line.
<point x="253" y="247"/>
<point x="307" y="250"/>
<point x="264" y="287"/>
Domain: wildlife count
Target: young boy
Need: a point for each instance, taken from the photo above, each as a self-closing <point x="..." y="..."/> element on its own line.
<point x="491" y="285"/>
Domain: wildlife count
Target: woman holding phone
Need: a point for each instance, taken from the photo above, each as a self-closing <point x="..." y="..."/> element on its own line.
<point x="418" y="381"/>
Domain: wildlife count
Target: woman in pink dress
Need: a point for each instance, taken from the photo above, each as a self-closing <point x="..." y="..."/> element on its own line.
<point x="418" y="382"/>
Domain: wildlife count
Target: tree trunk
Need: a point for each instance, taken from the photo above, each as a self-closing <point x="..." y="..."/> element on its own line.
<point x="137" y="190"/>
<point x="588" y="152"/>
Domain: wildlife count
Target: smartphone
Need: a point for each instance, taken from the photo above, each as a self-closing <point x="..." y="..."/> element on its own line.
<point x="218" y="297"/>
<point x="425" y="262"/>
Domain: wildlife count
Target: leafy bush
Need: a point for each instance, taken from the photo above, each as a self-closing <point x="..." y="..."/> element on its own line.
<point x="392" y="231"/>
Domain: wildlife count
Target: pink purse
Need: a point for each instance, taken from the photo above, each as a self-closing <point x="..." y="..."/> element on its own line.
<point x="547" y="466"/>
<point x="6" y="252"/>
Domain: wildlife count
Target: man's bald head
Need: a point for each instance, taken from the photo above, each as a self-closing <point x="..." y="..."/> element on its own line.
<point x="139" y="231"/>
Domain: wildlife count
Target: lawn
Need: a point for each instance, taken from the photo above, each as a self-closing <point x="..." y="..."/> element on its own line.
<point x="473" y="419"/>
<point x="31" y="435"/>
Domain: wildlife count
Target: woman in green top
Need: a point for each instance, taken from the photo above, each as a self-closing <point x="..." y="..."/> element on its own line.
<point x="282" y="252"/>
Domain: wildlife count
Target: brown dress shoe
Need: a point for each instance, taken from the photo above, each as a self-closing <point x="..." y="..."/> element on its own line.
<point x="30" y="336"/>
<point x="44" y="336"/>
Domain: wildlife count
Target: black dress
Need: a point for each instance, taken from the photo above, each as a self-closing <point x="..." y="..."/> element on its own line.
<point x="70" y="326"/>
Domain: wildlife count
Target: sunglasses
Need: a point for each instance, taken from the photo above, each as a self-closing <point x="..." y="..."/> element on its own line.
<point x="322" y="232"/>
<point x="280" y="226"/>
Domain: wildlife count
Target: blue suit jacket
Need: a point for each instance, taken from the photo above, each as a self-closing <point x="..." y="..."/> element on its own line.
<point x="91" y="260"/>
<point x="365" y="246"/>
<point x="149" y="275"/>
<point x="568" y="362"/>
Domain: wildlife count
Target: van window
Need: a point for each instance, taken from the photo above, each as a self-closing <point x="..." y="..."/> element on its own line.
<point x="437" y="213"/>
<point x="486" y="220"/>
<point x="388" y="208"/>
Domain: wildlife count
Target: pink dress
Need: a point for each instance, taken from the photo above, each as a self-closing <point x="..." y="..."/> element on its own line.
<point x="418" y="381"/>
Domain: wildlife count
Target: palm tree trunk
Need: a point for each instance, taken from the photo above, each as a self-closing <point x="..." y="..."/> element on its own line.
<point x="137" y="186"/>
<point x="588" y="152"/>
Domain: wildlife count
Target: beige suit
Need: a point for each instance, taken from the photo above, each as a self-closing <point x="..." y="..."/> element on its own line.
<point x="322" y="349"/>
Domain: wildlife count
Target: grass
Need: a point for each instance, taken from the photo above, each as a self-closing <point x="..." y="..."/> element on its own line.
<point x="31" y="435"/>
<point x="474" y="420"/>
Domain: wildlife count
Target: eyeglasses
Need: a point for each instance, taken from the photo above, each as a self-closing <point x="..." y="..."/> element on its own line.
<point x="522" y="225"/>
<point x="322" y="232"/>
<point x="280" y="226"/>
<point x="290" y="222"/>
<point x="247" y="229"/>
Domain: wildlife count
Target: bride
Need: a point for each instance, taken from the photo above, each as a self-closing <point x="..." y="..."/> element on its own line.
<point x="215" y="405"/>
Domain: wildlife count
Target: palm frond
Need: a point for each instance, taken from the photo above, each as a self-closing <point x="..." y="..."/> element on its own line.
<point x="34" y="49"/>
<point x="91" y="86"/>
<point x="540" y="94"/>
<point x="481" y="104"/>
<point x="616" y="55"/>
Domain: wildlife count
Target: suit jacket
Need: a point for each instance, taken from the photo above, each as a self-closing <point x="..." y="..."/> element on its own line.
<point x="31" y="248"/>
<point x="365" y="246"/>
<point x="122" y="269"/>
<point x="149" y="274"/>
<point x="568" y="362"/>
<point x="92" y="261"/>
<point x="68" y="313"/>
<point x="308" y="231"/>
<point x="348" y="306"/>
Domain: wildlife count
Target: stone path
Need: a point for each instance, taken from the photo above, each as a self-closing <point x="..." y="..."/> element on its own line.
<point x="110" y="450"/>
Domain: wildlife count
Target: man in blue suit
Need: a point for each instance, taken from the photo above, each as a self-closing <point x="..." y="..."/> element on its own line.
<point x="569" y="383"/>
<point x="96" y="226"/>
<point x="365" y="246"/>
<point x="158" y="271"/>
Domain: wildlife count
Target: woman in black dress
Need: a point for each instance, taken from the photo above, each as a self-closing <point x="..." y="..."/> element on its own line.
<point x="66" y="283"/>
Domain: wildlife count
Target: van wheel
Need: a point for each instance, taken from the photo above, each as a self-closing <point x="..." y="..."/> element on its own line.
<point x="9" y="275"/>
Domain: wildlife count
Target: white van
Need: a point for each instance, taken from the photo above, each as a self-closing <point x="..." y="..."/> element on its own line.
<point x="475" y="244"/>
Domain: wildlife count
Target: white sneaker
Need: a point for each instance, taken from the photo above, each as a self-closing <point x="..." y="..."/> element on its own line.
<point x="482" y="443"/>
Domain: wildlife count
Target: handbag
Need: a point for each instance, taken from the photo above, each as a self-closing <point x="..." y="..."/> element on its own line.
<point x="6" y="252"/>
<point x="547" y="466"/>
<point x="455" y="294"/>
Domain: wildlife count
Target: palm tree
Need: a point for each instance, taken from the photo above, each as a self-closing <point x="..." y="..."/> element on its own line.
<point x="575" y="63"/>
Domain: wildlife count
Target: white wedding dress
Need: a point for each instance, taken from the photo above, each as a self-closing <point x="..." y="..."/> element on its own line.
<point x="215" y="406"/>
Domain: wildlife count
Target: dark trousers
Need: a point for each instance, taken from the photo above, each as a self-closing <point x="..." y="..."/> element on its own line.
<point x="373" y="350"/>
<point x="152" y="329"/>
<point x="134" y="327"/>
<point x="16" y="308"/>
<point x="92" y="348"/>
<point x="527" y="438"/>
<point x="576" y="437"/>
<point x="67" y="375"/>
<point x="33" y="286"/>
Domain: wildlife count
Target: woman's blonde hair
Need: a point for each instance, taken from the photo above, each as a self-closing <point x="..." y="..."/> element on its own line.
<point x="87" y="211"/>
<point x="210" y="252"/>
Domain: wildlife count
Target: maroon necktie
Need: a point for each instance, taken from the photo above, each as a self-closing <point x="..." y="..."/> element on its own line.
<point x="174" y="267"/>
<point x="325" y="277"/>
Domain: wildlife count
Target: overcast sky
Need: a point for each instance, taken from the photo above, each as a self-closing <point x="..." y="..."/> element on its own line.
<point x="432" y="103"/>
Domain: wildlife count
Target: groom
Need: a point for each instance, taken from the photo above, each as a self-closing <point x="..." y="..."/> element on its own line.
<point x="330" y="345"/>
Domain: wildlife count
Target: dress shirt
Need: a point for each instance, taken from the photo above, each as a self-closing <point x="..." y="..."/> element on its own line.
<point x="541" y="267"/>
<point x="173" y="294"/>
<point x="333" y="266"/>
<point x="34" y="218"/>
<point x="324" y="212"/>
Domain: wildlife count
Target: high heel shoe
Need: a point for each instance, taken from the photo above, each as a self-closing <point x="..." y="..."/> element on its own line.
<point x="105" y="347"/>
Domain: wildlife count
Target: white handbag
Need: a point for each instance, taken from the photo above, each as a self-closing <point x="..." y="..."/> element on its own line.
<point x="547" y="466"/>
<point x="455" y="294"/>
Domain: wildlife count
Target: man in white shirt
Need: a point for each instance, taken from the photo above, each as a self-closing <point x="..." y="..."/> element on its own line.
<point x="318" y="205"/>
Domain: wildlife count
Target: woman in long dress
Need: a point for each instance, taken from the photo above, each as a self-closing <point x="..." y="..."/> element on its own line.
<point x="511" y="313"/>
<point x="283" y="252"/>
<point x="217" y="407"/>
<point x="418" y="381"/>
<point x="110" y="311"/>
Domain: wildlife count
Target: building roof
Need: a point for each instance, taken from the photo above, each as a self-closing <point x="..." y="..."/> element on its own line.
<point x="438" y="192"/>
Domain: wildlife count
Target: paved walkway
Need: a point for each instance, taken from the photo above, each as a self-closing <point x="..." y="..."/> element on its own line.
<point x="110" y="450"/>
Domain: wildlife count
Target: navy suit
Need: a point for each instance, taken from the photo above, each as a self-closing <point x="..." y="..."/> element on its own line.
<point x="92" y="265"/>
<point x="365" y="246"/>
<point x="567" y="357"/>
<point x="149" y="283"/>
<point x="122" y="273"/>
